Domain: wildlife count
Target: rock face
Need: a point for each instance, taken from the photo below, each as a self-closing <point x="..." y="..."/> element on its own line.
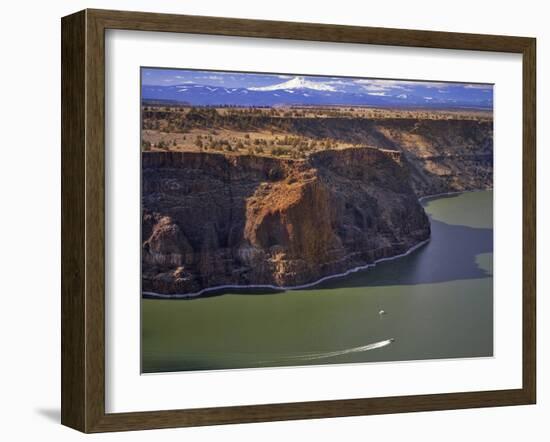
<point x="214" y="219"/>
<point x="442" y="155"/>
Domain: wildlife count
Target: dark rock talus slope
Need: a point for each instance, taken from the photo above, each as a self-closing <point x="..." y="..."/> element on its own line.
<point x="214" y="219"/>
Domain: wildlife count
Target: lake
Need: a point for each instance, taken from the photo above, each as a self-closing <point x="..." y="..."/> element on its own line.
<point x="436" y="302"/>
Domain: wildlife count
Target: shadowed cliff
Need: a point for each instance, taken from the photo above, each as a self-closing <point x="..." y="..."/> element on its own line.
<point x="212" y="219"/>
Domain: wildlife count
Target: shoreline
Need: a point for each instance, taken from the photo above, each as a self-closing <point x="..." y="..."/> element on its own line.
<point x="153" y="295"/>
<point x="194" y="295"/>
<point x="435" y="195"/>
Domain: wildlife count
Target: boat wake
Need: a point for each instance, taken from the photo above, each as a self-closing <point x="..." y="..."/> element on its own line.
<point x="331" y="354"/>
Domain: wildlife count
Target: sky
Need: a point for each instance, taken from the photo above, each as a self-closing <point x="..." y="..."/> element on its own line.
<point x="404" y="90"/>
<point x="172" y="77"/>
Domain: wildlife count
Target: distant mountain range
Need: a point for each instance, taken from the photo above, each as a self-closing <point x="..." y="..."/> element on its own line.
<point x="302" y="91"/>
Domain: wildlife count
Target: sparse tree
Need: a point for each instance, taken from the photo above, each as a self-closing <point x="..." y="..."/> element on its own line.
<point x="145" y="145"/>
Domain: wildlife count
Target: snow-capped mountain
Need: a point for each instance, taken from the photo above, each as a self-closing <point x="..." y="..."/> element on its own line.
<point x="297" y="83"/>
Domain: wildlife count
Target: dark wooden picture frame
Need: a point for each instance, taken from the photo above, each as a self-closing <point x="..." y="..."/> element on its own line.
<point x="83" y="220"/>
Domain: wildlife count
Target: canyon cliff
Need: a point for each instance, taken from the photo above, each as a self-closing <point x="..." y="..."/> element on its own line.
<point x="442" y="155"/>
<point x="212" y="219"/>
<point x="445" y="151"/>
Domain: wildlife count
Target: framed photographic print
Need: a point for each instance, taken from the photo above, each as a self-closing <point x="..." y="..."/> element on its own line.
<point x="269" y="220"/>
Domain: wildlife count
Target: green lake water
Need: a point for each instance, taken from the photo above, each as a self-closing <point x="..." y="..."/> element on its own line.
<point x="438" y="303"/>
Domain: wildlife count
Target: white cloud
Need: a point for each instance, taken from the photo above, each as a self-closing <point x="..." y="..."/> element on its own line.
<point x="430" y="85"/>
<point x="380" y="94"/>
<point x="384" y="85"/>
<point x="402" y="84"/>
<point x="487" y="87"/>
<point x="340" y="82"/>
<point x="375" y="87"/>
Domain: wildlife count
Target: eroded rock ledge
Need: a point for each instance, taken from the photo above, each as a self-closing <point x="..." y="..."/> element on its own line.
<point x="212" y="219"/>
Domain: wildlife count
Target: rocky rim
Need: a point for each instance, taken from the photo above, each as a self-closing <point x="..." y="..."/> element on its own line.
<point x="213" y="219"/>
